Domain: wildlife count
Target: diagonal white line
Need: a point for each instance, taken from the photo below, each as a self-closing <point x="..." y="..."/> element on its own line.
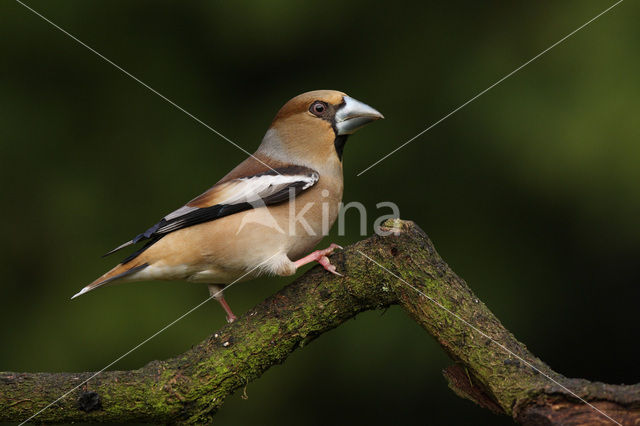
<point x="492" y="86"/>
<point x="146" y="85"/>
<point x="149" y="338"/>
<point x="485" y="335"/>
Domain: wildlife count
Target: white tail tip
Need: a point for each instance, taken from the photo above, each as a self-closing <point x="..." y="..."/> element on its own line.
<point x="80" y="293"/>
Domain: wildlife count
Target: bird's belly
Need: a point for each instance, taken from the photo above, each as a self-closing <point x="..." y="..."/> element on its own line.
<point x="219" y="276"/>
<point x="198" y="272"/>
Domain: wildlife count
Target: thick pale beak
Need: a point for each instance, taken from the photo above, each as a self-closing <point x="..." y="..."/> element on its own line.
<point x="353" y="115"/>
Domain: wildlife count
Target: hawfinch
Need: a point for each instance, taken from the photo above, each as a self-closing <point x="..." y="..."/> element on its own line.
<point x="263" y="216"/>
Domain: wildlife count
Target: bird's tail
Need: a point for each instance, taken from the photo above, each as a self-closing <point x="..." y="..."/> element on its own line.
<point x="117" y="273"/>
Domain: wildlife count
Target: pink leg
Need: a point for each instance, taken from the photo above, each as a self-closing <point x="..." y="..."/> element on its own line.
<point x="230" y="316"/>
<point x="215" y="290"/>
<point x="320" y="256"/>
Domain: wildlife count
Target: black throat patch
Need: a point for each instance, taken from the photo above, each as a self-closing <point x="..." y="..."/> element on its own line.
<point x="339" y="143"/>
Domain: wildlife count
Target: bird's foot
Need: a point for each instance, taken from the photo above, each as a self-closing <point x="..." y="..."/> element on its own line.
<point x="320" y="256"/>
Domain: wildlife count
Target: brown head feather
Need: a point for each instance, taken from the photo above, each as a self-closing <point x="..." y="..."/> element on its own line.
<point x="301" y="103"/>
<point x="298" y="136"/>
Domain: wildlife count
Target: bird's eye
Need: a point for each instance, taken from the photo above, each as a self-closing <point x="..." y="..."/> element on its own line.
<point x="318" y="108"/>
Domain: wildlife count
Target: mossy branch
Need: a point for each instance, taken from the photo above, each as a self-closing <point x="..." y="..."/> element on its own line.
<point x="191" y="387"/>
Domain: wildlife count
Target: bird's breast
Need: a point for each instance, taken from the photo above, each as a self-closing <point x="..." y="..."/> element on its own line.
<point x="312" y="215"/>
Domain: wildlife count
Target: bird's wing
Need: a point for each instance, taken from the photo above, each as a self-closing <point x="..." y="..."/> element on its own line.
<point x="229" y="197"/>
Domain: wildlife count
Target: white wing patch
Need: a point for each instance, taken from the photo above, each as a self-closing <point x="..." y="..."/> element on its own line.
<point x="252" y="189"/>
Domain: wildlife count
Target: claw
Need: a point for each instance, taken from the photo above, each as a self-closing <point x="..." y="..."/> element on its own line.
<point x="320" y="256"/>
<point x="326" y="264"/>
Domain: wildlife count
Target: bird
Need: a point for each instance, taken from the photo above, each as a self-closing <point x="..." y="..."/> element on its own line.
<point x="265" y="215"/>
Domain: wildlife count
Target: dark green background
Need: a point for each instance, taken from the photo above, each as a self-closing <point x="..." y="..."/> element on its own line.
<point x="530" y="193"/>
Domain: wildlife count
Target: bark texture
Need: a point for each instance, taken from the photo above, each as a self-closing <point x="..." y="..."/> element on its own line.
<point x="490" y="366"/>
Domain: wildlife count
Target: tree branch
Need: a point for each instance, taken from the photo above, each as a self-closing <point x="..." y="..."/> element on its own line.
<point x="191" y="387"/>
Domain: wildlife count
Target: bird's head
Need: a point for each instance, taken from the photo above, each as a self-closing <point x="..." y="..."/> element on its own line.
<point x="314" y="126"/>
